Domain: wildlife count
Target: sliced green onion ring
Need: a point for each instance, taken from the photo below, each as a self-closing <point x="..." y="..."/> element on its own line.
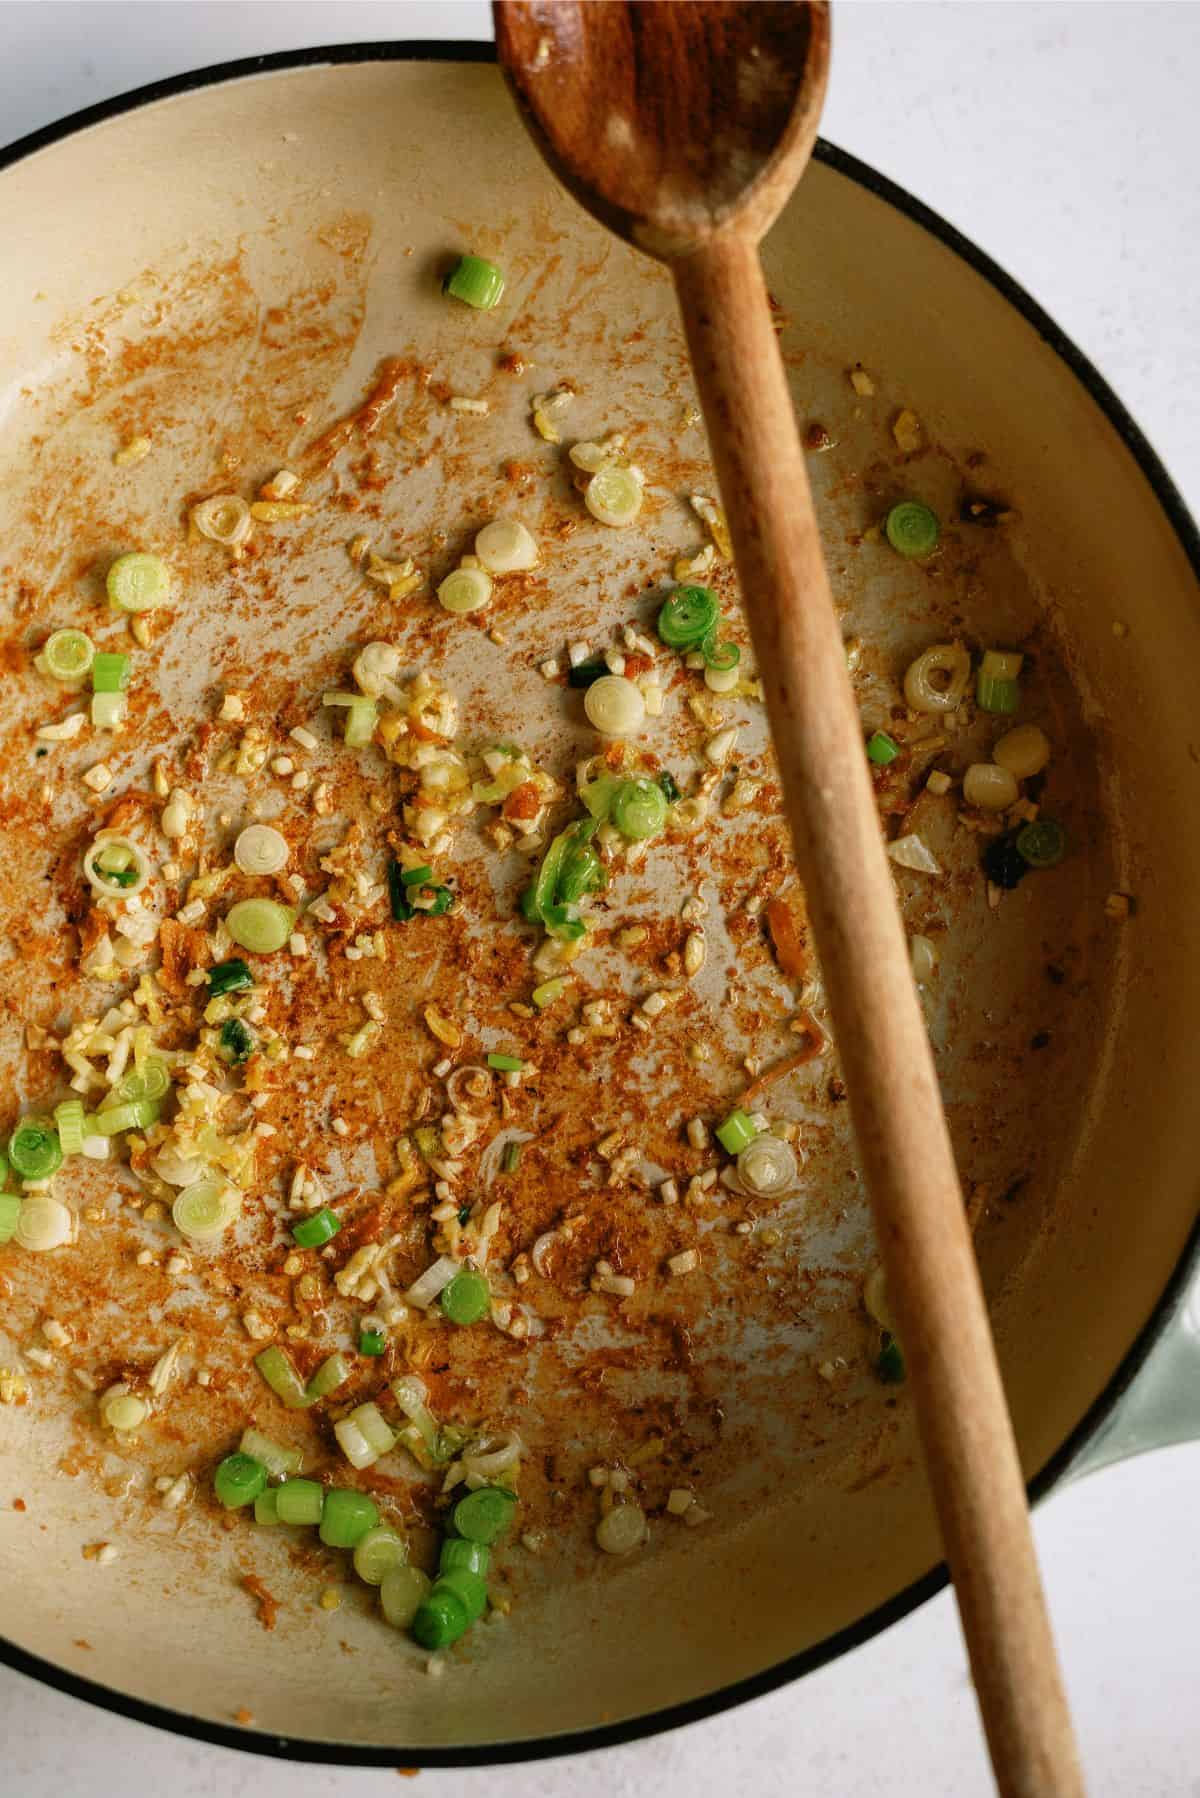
<point x="465" y="590"/>
<point x="722" y="658"/>
<point x="138" y="582"/>
<point x="912" y="529"/>
<point x="34" y="1149"/>
<point x="376" y="1553"/>
<point x="68" y="1120"/>
<point x="67" y="655"/>
<point x="639" y="809"/>
<point x="688" y="616"/>
<point x="115" y="866"/>
<point x="1043" y="843"/>
<point x="260" y="925"/>
<point x="205" y="1209"/>
<point x="225" y="518"/>
<point x="476" y="282"/>
<point x="614" y="496"/>
<point x="261" y="849"/>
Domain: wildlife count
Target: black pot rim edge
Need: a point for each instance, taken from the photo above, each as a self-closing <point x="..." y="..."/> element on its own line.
<point x="795" y="1666"/>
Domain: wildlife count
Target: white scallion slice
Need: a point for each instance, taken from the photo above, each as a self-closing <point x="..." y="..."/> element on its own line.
<point x="138" y="582"/>
<point x="123" y="1411"/>
<point x="722" y="680"/>
<point x="923" y="956"/>
<point x="937" y="680"/>
<point x="205" y="1209"/>
<point x="910" y="852"/>
<point x="260" y="849"/>
<point x="492" y="1456"/>
<point x="278" y="1459"/>
<point x="377" y="1553"/>
<point x="614" y="496"/>
<point x="401" y="1594"/>
<point x="465" y="590"/>
<point x="43" y="1224"/>
<point x="622" y="1530"/>
<point x="67" y="655"/>
<point x="506" y="547"/>
<point x="364" y="1436"/>
<point x="177" y="1169"/>
<point x="116" y="867"/>
<point x="426" y="1287"/>
<point x="990" y="787"/>
<point x="225" y="518"/>
<point x="615" y="706"/>
<point x="108" y="710"/>
<point x="1024" y="751"/>
<point x="875" y="1298"/>
<point x="767" y="1166"/>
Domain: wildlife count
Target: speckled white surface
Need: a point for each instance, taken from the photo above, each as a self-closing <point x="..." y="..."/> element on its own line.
<point x="1060" y="137"/>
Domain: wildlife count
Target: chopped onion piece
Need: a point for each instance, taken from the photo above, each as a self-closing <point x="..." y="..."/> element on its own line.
<point x="225" y="518"/>
<point x="622" y="1530"/>
<point x="506" y="547"/>
<point x="260" y="849"/>
<point x="937" y="680"/>
<point x="910" y="852"/>
<point x="427" y="1286"/>
<point x="990" y="787"/>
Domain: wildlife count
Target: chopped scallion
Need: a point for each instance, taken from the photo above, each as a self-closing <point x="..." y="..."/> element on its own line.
<point x="110" y="673"/>
<point x="34" y="1149"/>
<point x="238" y="1480"/>
<point x="138" y="583"/>
<point x="347" y="1517"/>
<point x="882" y="749"/>
<point x="505" y="1064"/>
<point x="67" y="655"/>
<point x="475" y="281"/>
<point x="372" y="1342"/>
<point x="467" y="1299"/>
<point x="300" y="1501"/>
<point x="688" y="616"/>
<point x="260" y="925"/>
<point x="68" y="1119"/>
<point x="485" y="1514"/>
<point x="736" y="1132"/>
<point x="512" y="1157"/>
<point x="229" y="977"/>
<point x="320" y="1228"/>
<point x="912" y="529"/>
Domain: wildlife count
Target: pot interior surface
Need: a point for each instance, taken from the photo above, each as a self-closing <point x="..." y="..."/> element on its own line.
<point x="230" y="272"/>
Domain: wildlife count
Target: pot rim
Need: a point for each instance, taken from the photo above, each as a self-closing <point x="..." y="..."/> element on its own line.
<point x="756" y="1685"/>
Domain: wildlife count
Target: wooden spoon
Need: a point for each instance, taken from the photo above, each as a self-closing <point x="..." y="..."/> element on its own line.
<point x="684" y="128"/>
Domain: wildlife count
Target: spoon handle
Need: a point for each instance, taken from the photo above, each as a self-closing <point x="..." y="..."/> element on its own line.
<point x="933" y="1281"/>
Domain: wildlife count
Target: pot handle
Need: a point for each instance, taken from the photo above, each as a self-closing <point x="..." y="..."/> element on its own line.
<point x="1161" y="1405"/>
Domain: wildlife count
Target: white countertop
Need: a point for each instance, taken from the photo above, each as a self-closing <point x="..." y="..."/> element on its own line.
<point x="1061" y="138"/>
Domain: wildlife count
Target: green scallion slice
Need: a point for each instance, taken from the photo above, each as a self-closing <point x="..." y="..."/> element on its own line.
<point x="485" y="1514"/>
<point x="372" y="1342"/>
<point x="229" y="977"/>
<point x="278" y="1460"/>
<point x="235" y="1041"/>
<point x="1042" y="844"/>
<point x="138" y="583"/>
<point x="151" y="1081"/>
<point x="996" y="686"/>
<point x="889" y="1364"/>
<point x="110" y="673"/>
<point x="260" y="925"/>
<point x="912" y="529"/>
<point x="457" y="1555"/>
<point x="736" y="1132"/>
<point x="882" y="749"/>
<point x="639" y="809"/>
<point x="68" y="1120"/>
<point x="440" y="1619"/>
<point x="722" y="657"/>
<point x="688" y="616"/>
<point x="34" y="1149"/>
<point x="10" y="1212"/>
<point x="376" y="1553"/>
<point x="347" y="1516"/>
<point x="266" y="1510"/>
<point x="67" y="655"/>
<point x="466" y="1586"/>
<point x="238" y="1480"/>
<point x="333" y="1372"/>
<point x="512" y="1157"/>
<point x="280" y="1375"/>
<point x="467" y="1299"/>
<point x="476" y="282"/>
<point x="320" y="1228"/>
<point x="300" y="1501"/>
<point x="505" y="1064"/>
